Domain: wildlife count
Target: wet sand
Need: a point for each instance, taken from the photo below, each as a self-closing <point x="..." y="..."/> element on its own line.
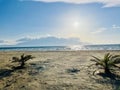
<point x="54" y="70"/>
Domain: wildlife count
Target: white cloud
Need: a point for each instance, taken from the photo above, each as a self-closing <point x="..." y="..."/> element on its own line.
<point x="100" y="30"/>
<point x="42" y="41"/>
<point x="9" y="42"/>
<point x="107" y="3"/>
<point x="115" y="27"/>
<point x="33" y="36"/>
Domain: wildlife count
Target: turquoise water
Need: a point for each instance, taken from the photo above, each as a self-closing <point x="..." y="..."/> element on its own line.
<point x="63" y="48"/>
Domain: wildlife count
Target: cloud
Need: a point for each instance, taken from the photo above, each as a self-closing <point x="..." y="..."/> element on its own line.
<point x="115" y="27"/>
<point x="1" y="41"/>
<point x="9" y="42"/>
<point x="43" y="41"/>
<point x="100" y="30"/>
<point x="107" y="3"/>
<point x="48" y="41"/>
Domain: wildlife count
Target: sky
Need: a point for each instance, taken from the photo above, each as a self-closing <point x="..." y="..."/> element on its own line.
<point x="90" y="21"/>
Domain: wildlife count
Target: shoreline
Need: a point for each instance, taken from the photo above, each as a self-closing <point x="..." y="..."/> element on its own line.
<point x="57" y="50"/>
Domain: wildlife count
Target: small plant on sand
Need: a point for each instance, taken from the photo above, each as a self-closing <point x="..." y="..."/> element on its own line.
<point x="22" y="60"/>
<point x="73" y="70"/>
<point x="108" y="62"/>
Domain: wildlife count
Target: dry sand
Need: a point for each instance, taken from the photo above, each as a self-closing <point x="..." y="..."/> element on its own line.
<point x="52" y="71"/>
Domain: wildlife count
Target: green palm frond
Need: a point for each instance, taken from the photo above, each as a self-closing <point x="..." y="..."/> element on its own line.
<point x="27" y="57"/>
<point x="116" y="66"/>
<point x="96" y="59"/>
<point x="117" y="60"/>
<point x="23" y="58"/>
<point x="15" y="59"/>
<point x="109" y="61"/>
<point x="106" y="57"/>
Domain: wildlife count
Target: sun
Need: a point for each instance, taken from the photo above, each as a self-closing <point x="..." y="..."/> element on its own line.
<point x="76" y="24"/>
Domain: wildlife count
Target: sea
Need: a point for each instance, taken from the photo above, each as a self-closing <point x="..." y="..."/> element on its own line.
<point x="63" y="48"/>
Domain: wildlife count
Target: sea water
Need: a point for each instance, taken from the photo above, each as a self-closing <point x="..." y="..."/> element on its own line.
<point x="63" y="48"/>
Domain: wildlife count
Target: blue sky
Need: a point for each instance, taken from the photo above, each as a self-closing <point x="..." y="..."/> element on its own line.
<point x="92" y="21"/>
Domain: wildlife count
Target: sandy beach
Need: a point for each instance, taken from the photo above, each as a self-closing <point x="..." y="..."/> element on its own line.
<point x="53" y="71"/>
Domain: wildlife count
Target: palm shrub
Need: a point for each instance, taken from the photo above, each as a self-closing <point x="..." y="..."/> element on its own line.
<point x="108" y="62"/>
<point x="22" y="60"/>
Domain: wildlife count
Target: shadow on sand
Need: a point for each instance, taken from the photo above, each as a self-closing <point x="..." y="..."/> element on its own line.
<point x="112" y="79"/>
<point x="5" y="73"/>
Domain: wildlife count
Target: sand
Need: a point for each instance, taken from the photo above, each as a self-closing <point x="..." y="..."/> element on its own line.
<point x="54" y="70"/>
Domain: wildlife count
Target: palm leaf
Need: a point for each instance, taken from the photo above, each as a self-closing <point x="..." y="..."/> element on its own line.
<point x="106" y="57"/>
<point x="95" y="58"/>
<point x="109" y="61"/>
<point x="27" y="57"/>
<point x="116" y="66"/>
<point x="117" y="60"/>
<point x="15" y="59"/>
<point x="115" y="56"/>
<point x="23" y="58"/>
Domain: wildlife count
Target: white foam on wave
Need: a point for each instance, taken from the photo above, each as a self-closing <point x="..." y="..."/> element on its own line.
<point x="77" y="47"/>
